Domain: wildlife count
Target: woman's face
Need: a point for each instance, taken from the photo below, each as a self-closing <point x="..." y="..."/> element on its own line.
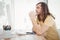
<point x="38" y="9"/>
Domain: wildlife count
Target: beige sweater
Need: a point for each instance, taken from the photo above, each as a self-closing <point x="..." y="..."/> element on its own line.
<point x="51" y="33"/>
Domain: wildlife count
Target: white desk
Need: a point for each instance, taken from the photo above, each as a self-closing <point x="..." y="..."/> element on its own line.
<point x="6" y="35"/>
<point x="24" y="37"/>
<point x="9" y="36"/>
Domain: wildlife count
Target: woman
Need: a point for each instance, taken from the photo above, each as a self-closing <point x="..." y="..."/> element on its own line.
<point x="43" y="22"/>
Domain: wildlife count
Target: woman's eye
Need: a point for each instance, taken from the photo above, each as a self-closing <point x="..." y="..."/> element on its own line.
<point x="37" y="7"/>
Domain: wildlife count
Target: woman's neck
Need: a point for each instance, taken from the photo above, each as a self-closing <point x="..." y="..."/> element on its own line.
<point x="41" y="17"/>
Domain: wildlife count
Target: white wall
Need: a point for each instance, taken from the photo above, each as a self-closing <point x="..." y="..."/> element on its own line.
<point x="54" y="6"/>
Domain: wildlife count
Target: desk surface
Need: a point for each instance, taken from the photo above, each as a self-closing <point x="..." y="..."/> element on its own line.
<point x="24" y="37"/>
<point x="8" y="35"/>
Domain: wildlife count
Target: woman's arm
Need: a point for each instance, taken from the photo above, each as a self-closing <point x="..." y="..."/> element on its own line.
<point x="37" y="27"/>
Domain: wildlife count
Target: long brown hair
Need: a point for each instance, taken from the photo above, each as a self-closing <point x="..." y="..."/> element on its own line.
<point x="45" y="11"/>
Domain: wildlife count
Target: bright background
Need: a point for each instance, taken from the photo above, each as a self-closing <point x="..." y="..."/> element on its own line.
<point x="16" y="13"/>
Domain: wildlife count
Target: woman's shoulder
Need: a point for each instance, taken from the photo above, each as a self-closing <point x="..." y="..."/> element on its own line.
<point x="49" y="20"/>
<point x="49" y="17"/>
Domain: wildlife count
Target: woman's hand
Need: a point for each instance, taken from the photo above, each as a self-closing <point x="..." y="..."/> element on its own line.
<point x="32" y="15"/>
<point x="36" y="27"/>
